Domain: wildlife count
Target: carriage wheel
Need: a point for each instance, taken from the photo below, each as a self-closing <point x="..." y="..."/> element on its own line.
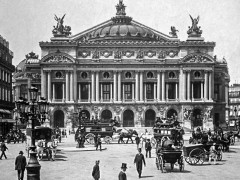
<point x="161" y="163"/>
<point x="157" y="163"/>
<point x="187" y="160"/>
<point x="90" y="138"/>
<point x="181" y="164"/>
<point x="219" y="155"/>
<point x="172" y="166"/>
<point x="196" y="156"/>
<point x="108" y="139"/>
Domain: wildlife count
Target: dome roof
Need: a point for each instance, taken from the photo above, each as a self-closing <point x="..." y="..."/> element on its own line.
<point x="122" y="28"/>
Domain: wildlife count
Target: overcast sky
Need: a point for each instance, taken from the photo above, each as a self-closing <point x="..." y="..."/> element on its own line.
<point x="24" y="23"/>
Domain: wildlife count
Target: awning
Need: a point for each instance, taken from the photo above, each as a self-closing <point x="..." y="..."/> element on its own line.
<point x="5" y="111"/>
<point x="8" y="120"/>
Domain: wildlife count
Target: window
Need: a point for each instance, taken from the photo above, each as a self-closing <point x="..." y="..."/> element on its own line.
<point x="171" y="75"/>
<point x="106" y="91"/>
<point x="58" y="74"/>
<point x="106" y="75"/>
<point x="197" y="74"/>
<point x="84" y="91"/>
<point x="23" y="91"/>
<point x="128" y="91"/>
<point x="150" y="91"/>
<point x="171" y="90"/>
<point x="84" y="75"/>
<point x="149" y="75"/>
<point x="217" y="92"/>
<point x="58" y="90"/>
<point x="197" y="90"/>
<point x="128" y="75"/>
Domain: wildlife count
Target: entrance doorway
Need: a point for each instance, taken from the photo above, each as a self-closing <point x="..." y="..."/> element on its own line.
<point x="128" y="118"/>
<point x="58" y="119"/>
<point x="197" y="118"/>
<point x="150" y="116"/>
<point x="106" y="116"/>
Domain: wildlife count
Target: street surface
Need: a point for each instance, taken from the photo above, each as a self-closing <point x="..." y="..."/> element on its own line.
<point x="76" y="164"/>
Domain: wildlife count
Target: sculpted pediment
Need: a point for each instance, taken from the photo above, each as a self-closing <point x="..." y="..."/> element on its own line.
<point x="57" y="58"/>
<point x="197" y="58"/>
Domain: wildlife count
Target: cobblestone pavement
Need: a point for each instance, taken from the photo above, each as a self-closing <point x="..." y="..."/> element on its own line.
<point x="76" y="164"/>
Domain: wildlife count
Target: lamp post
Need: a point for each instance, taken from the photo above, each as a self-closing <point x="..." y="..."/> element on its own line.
<point x="33" y="110"/>
<point x="79" y="116"/>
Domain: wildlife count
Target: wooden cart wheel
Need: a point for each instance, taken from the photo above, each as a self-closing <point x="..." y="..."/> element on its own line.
<point x="181" y="164"/>
<point x="161" y="163"/>
<point x="157" y="163"/>
<point x="197" y="156"/>
<point x="219" y="155"/>
<point x="108" y="139"/>
<point x="90" y="138"/>
<point x="187" y="160"/>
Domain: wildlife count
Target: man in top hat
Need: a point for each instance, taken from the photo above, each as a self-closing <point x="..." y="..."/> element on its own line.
<point x="99" y="142"/>
<point x="3" y="148"/>
<point x="139" y="160"/>
<point x="20" y="164"/>
<point x="122" y="175"/>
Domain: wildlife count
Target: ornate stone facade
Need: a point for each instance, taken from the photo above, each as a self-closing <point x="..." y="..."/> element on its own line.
<point x="126" y="70"/>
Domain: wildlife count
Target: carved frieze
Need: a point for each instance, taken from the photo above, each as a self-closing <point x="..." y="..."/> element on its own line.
<point x="106" y="53"/>
<point x="161" y="54"/>
<point x="117" y="56"/>
<point x="128" y="53"/>
<point x="58" y="58"/>
<point x="172" y="53"/>
<point x="84" y="53"/>
<point x="150" y="53"/>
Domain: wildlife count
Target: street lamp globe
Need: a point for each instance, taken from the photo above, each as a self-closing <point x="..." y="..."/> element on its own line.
<point x="33" y="93"/>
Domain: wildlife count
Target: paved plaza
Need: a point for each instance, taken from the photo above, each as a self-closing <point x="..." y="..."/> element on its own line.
<point x="76" y="164"/>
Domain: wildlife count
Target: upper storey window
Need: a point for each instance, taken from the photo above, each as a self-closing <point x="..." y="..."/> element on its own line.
<point x="197" y="74"/>
<point x="106" y="75"/>
<point x="84" y="75"/>
<point x="58" y="74"/>
<point x="171" y="75"/>
<point x="128" y="75"/>
<point x="149" y="75"/>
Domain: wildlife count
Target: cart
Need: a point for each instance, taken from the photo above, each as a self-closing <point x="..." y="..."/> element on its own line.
<point x="198" y="153"/>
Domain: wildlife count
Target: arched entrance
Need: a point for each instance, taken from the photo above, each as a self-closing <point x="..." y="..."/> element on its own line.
<point x="58" y="119"/>
<point x="197" y="118"/>
<point x="128" y="118"/>
<point x="171" y="114"/>
<point x="150" y="116"/>
<point x="106" y="116"/>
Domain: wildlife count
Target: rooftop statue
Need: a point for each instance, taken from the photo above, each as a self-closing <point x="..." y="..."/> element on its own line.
<point x="173" y="31"/>
<point x="194" y="31"/>
<point x="60" y="30"/>
<point x="120" y="8"/>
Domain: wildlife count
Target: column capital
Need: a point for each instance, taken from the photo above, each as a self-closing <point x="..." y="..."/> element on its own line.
<point x="187" y="70"/>
<point x="162" y="71"/>
<point x="47" y="71"/>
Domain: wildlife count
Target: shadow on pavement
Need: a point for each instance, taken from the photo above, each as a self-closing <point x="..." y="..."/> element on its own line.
<point x="146" y="176"/>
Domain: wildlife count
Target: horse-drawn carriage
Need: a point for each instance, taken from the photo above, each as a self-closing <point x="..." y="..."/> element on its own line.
<point x="15" y="136"/>
<point x="45" y="142"/>
<point x="90" y="130"/>
<point x="166" y="135"/>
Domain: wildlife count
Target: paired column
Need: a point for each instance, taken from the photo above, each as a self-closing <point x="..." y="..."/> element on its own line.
<point x="141" y="86"/>
<point x="93" y="87"/>
<point x="155" y="91"/>
<point x="43" y="83"/>
<point x="176" y="96"/>
<point x="163" y="86"/>
<point x="188" y="85"/>
<point x="167" y="87"/>
<point x="158" y="86"/>
<point x="137" y="86"/>
<point x="111" y="92"/>
<point x="119" y="86"/>
<point x="201" y="90"/>
<point x="133" y="91"/>
<point x="49" y="86"/>
<point x="115" y="86"/>
<point x="184" y="86"/>
<point x="79" y="92"/>
<point x="71" y="86"/>
<point x="205" y="85"/>
<point x="97" y="86"/>
<point x="89" y="92"/>
<point x="63" y="87"/>
<point x="210" y="86"/>
<point x="75" y="84"/>
<point x="67" y="86"/>
<point x="53" y="98"/>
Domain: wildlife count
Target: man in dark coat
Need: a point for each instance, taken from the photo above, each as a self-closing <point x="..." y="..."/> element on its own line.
<point x="96" y="171"/>
<point x="122" y="175"/>
<point x="20" y="164"/>
<point x="3" y="149"/>
<point x="99" y="142"/>
<point x="139" y="160"/>
<point x="148" y="148"/>
<point x="137" y="139"/>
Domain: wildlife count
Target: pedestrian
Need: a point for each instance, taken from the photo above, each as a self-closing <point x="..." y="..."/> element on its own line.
<point x="96" y="171"/>
<point x="99" y="142"/>
<point x="3" y="149"/>
<point x="148" y="148"/>
<point x="122" y="175"/>
<point x="69" y="131"/>
<point x="212" y="154"/>
<point x="65" y="132"/>
<point x="139" y="160"/>
<point x="20" y="164"/>
<point x="137" y="139"/>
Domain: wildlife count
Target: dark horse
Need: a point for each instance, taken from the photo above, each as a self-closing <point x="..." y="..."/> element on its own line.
<point x="127" y="134"/>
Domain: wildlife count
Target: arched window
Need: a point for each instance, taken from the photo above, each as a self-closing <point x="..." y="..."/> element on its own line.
<point x="84" y="75"/>
<point x="58" y="74"/>
<point x="197" y="74"/>
<point x="149" y="75"/>
<point x="128" y="75"/>
<point x="106" y="75"/>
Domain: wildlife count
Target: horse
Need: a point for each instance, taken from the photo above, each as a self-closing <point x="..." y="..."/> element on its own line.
<point x="40" y="148"/>
<point x="52" y="149"/>
<point x="128" y="134"/>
